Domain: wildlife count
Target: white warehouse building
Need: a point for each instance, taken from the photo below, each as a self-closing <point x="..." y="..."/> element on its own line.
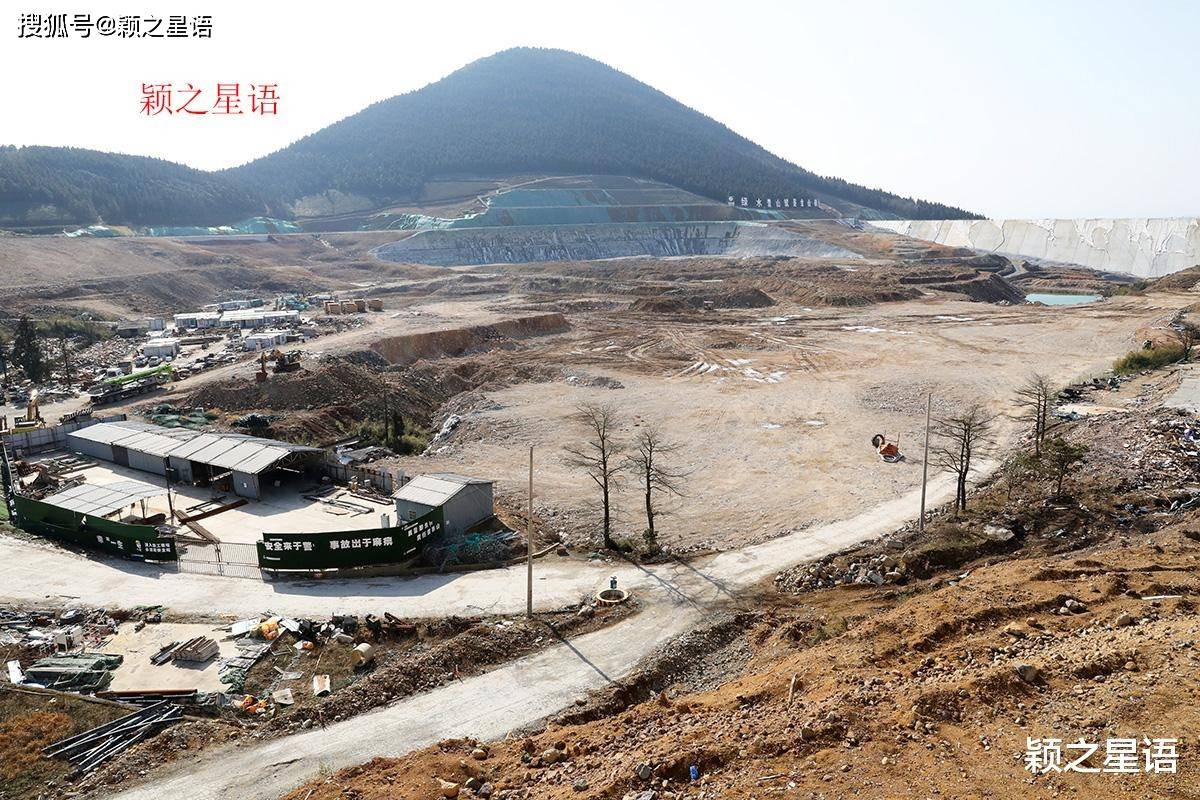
<point x="197" y="320"/>
<point x="465" y="502"/>
<point x="256" y="318"/>
<point x="162" y="347"/>
<point x="193" y="457"/>
<point x="237" y="318"/>
<point x="265" y="340"/>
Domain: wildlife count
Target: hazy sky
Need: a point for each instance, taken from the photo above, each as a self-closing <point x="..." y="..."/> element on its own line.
<point x="1012" y="109"/>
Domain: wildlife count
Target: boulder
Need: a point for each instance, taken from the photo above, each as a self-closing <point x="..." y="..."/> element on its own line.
<point x="997" y="533"/>
<point x="1029" y="673"/>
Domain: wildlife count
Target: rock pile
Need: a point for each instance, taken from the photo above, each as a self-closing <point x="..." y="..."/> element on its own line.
<point x="331" y="383"/>
<point x="868" y="570"/>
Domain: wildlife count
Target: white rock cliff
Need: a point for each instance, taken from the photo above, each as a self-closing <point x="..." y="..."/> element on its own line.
<point x="1147" y="248"/>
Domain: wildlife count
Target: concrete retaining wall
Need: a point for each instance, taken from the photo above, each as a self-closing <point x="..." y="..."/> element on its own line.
<point x="53" y="437"/>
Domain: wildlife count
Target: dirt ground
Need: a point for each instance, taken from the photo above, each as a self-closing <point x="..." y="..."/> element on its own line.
<point x="774" y="411"/>
<point x="772" y="402"/>
<point x="29" y="721"/>
<point x="771" y="375"/>
<point x="411" y="657"/>
<point x="1079" y="628"/>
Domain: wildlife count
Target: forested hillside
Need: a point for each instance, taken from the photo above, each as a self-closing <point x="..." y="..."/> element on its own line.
<point x="41" y="185"/>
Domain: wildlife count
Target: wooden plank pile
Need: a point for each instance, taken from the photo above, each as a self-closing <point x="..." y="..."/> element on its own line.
<point x="199" y="650"/>
<point x="164" y="653"/>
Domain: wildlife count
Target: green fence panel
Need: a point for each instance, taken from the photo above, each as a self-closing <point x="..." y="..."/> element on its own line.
<point x="340" y="549"/>
<point x="38" y="511"/>
<point x="125" y="529"/>
<point x="138" y="542"/>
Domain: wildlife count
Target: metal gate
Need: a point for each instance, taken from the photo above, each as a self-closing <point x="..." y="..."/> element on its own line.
<point x="228" y="559"/>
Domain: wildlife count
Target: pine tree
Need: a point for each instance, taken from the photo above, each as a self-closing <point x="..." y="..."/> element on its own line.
<point x="27" y="350"/>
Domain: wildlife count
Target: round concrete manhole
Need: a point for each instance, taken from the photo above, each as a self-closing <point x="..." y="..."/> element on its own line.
<point x="612" y="597"/>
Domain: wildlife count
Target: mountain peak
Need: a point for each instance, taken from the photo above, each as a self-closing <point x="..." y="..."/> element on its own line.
<point x="525" y="110"/>
<point x="551" y="111"/>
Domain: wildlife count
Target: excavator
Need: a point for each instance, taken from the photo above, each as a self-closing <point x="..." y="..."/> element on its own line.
<point x="33" y="416"/>
<point x="284" y="362"/>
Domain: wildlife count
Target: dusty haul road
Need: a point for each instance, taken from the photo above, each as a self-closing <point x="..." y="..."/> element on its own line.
<point x="675" y="598"/>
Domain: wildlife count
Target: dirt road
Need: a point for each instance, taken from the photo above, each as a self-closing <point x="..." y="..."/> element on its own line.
<point x="42" y="572"/>
<point x="38" y="572"/>
<point x="488" y="706"/>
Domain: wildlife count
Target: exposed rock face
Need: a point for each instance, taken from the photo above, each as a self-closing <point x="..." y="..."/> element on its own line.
<point x="412" y="347"/>
<point x="521" y="244"/>
<point x="1146" y="248"/>
<point x="985" y="289"/>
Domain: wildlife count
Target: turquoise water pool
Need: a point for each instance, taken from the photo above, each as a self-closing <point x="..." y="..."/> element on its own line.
<point x="1061" y="299"/>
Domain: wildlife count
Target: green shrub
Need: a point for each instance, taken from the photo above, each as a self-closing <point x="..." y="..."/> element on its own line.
<point x="624" y="544"/>
<point x="829" y="630"/>
<point x="1138" y="360"/>
<point x="411" y="439"/>
<point x="87" y="330"/>
<point x="1130" y="289"/>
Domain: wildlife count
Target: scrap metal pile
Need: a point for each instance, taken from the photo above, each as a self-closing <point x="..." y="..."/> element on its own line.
<point x="42" y="478"/>
<point x="90" y="749"/>
<point x="44" y="631"/>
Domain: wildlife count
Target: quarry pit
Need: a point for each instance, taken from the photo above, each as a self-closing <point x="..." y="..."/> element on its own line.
<point x="771" y="374"/>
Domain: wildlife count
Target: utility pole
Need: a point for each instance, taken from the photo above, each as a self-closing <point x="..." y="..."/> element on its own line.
<point x="925" y="461"/>
<point x="167" y="470"/>
<point x="529" y="542"/>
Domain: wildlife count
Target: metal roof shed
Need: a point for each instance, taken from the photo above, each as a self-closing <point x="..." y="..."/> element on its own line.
<point x="150" y="448"/>
<point x="464" y="501"/>
<point x="100" y="501"/>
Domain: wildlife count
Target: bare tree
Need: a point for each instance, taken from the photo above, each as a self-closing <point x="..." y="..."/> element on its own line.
<point x="1036" y="397"/>
<point x="600" y="457"/>
<point x="961" y="438"/>
<point x="646" y="461"/>
<point x="1186" y="334"/>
